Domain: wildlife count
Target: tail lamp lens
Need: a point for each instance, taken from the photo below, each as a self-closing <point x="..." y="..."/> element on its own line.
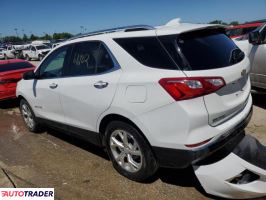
<point x="192" y="87"/>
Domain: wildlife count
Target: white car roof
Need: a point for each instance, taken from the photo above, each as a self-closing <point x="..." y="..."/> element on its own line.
<point x="142" y="31"/>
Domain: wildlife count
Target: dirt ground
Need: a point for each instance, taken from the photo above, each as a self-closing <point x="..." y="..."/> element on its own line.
<point x="78" y="170"/>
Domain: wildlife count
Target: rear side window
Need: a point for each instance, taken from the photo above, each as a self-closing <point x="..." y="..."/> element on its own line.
<point x="14" y="66"/>
<point x="148" y="51"/>
<point x="89" y="58"/>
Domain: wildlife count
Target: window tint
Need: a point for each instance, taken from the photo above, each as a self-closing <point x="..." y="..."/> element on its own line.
<point x="52" y="67"/>
<point x="89" y="58"/>
<point x="148" y="51"/>
<point x="204" y="50"/>
<point x="103" y="60"/>
<point x="14" y="66"/>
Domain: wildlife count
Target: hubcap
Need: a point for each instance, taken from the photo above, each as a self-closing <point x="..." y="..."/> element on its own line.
<point x="126" y="150"/>
<point x="27" y="115"/>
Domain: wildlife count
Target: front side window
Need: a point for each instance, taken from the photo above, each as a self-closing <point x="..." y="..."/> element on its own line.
<point x="52" y="67"/>
<point x="89" y="58"/>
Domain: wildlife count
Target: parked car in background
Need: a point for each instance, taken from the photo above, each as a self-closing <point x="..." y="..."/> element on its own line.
<point x="1" y="53"/>
<point x="255" y="49"/>
<point x="131" y="91"/>
<point x="240" y="32"/>
<point x="13" y="51"/>
<point x="11" y="71"/>
<point x="36" y="52"/>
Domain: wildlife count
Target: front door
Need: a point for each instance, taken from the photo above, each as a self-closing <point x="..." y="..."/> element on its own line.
<point x="46" y="88"/>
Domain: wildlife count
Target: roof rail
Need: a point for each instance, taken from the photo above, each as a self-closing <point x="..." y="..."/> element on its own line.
<point x="112" y="30"/>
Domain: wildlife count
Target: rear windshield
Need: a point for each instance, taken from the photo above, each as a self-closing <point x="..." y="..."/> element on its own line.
<point x="148" y="51"/>
<point x="14" y="66"/>
<point x="201" y="50"/>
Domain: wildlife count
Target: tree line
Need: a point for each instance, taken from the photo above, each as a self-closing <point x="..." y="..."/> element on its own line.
<point x="32" y="37"/>
<point x="233" y="23"/>
<point x="65" y="35"/>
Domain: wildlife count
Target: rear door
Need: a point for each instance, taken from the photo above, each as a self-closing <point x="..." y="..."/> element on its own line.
<point x="210" y="53"/>
<point x="90" y="86"/>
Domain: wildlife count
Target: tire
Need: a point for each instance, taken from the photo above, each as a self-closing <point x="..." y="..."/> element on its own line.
<point x="29" y="117"/>
<point x="27" y="57"/>
<point x="136" y="150"/>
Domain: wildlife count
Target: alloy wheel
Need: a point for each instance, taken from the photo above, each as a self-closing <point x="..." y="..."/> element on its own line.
<point x="126" y="151"/>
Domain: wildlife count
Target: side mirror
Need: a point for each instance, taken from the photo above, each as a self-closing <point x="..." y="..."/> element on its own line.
<point x="29" y="75"/>
<point x="254" y="38"/>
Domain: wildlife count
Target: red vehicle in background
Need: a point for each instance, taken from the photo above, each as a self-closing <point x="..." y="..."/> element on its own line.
<point x="240" y="32"/>
<point x="11" y="71"/>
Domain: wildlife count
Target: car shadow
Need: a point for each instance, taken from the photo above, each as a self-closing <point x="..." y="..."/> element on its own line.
<point x="178" y="177"/>
<point x="8" y="104"/>
<point x="259" y="100"/>
<point x="71" y="139"/>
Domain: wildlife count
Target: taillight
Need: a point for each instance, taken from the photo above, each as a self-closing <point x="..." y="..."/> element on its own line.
<point x="191" y="87"/>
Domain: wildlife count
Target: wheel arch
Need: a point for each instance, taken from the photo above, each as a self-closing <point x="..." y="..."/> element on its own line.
<point x="117" y="117"/>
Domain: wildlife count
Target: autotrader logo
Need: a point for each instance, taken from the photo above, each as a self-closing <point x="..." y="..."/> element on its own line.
<point x="27" y="193"/>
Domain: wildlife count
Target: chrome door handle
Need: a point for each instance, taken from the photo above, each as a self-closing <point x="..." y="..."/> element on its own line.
<point x="100" y="85"/>
<point x="53" y="85"/>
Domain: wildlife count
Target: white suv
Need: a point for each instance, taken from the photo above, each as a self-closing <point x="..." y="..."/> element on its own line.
<point x="167" y="96"/>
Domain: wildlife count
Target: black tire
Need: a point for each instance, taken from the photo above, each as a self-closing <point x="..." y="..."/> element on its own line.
<point x="148" y="165"/>
<point x="36" y="127"/>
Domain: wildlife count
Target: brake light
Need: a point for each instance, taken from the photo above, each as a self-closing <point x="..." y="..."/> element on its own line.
<point x="191" y="87"/>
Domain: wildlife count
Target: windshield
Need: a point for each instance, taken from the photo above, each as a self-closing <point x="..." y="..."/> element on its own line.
<point x="201" y="50"/>
<point x="42" y="47"/>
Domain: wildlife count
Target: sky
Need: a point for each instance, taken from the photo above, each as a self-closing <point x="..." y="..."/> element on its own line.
<point x="49" y="16"/>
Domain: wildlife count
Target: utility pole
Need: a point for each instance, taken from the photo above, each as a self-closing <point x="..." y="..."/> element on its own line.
<point x="16" y="30"/>
<point x="81" y="29"/>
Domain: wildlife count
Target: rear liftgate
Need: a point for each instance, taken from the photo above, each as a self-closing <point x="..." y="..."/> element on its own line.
<point x="239" y="175"/>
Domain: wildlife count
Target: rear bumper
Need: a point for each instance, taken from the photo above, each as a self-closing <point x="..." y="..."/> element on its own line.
<point x="179" y="158"/>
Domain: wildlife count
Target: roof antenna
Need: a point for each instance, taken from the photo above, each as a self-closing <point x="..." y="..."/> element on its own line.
<point x="173" y="22"/>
